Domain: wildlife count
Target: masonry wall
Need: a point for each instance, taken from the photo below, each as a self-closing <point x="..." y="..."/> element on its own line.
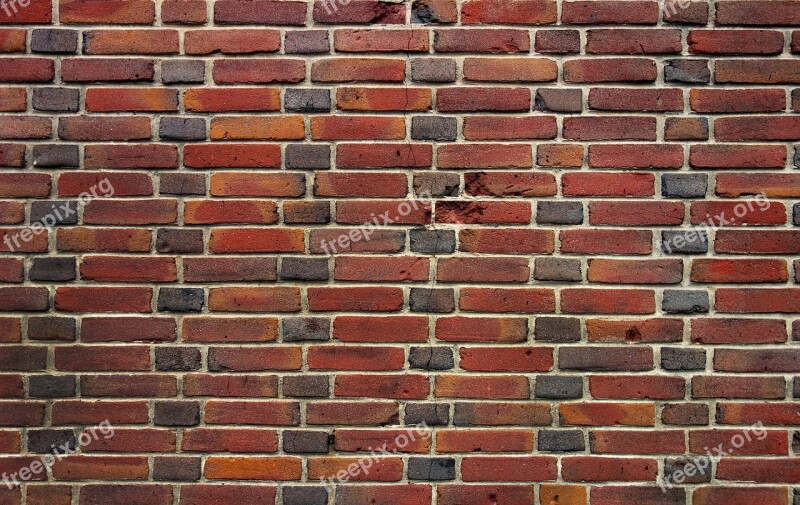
<point x="452" y="252"/>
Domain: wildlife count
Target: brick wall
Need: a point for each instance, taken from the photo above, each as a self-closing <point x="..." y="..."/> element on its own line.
<point x="453" y="252"/>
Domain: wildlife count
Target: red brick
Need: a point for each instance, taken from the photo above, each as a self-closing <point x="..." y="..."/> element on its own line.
<point x="357" y="440"/>
<point x="131" y="100"/>
<point x="102" y="156"/>
<point x="636" y="100"/>
<point x="382" y="41"/>
<point x="607" y="301"/>
<point x="633" y="41"/>
<point x="353" y="268"/>
<point x="107" y="11"/>
<point x="509" y="469"/>
<point x="756" y="300"/>
<point x="258" y="128"/>
<point x="399" y="494"/>
<point x="767" y="442"/>
<point x="355" y="358"/>
<point x="232" y="99"/>
<point x="478" y="156"/>
<point x="13" y="100"/>
<point x="198" y="494"/>
<point x="258" y="71"/>
<point x="34" y="13"/>
<point x="770" y="184"/>
<point x="104" y="240"/>
<point x="475" y="99"/>
<point x="737" y="156"/>
<point x="739" y="270"/>
<point x="530" y="301"/>
<point x="107" y="69"/>
<point x="229" y="440"/>
<point x="132" y="386"/>
<point x="104" y="128"/>
<point x="131" y="42"/>
<point x="610" y="70"/>
<point x="128" y="269"/>
<point x="183" y="11"/>
<point x="358" y="69"/>
<point x="230" y="329"/>
<point x="481" y="329"/>
<point x="373" y="413"/>
<point x="737" y="100"/>
<point x="608" y="128"/>
<point x="757" y="71"/>
<point x="128" y="329"/>
<point x="364" y="185"/>
<point x="381" y="329"/>
<point x="606" y="241"/>
<point x="230" y="212"/>
<point x="388" y="469"/>
<point x="509" y="69"/>
<point x="379" y="155"/>
<point x="204" y="42"/>
<point x="517" y="12"/>
<point x="360" y="11"/>
<point x="256" y="184"/>
<point x="509" y="128"/>
<point x="27" y="70"/>
<point x="232" y="156"/>
<point x="481" y="40"/>
<point x="648" y="213"/>
<point x="757" y="128"/>
<point x="377" y="299"/>
<point x="718" y="495"/>
<point x="358" y="128"/>
<point x="483" y="440"/>
<point x="102" y="358"/>
<point x="665" y="271"/>
<point x="748" y="12"/>
<point x="254" y="299"/>
<point x="383" y="99"/>
<point x="637" y="442"/>
<point x="66" y="412"/>
<point x="506" y="359"/>
<point x="256" y="412"/>
<point x="397" y="386"/>
<point x="610" y="12"/>
<point x="399" y="212"/>
<point x="12" y="40"/>
<point x="259" y="12"/>
<point x="629" y="387"/>
<point x="735" y="42"/>
<point x="483" y="270"/>
<point x="738" y="331"/>
<point x="608" y="184"/>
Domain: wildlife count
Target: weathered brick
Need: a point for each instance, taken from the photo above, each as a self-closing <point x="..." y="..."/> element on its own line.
<point x="561" y="441"/>
<point x="431" y="469"/>
<point x="434" y="128"/>
<point x="54" y="41"/>
<point x="431" y="358"/>
<point x="311" y="328"/>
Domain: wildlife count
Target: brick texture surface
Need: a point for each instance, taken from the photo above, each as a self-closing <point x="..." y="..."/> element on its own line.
<point x="268" y="239"/>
